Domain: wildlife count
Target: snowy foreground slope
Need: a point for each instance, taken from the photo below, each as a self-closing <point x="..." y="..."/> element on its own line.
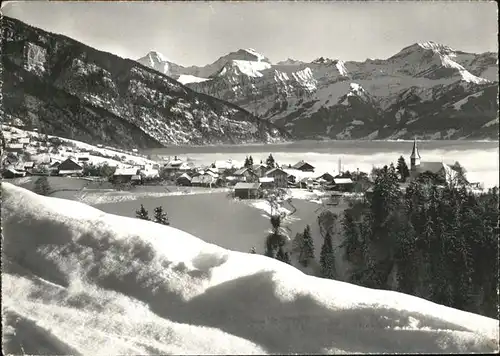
<point x="76" y="280"/>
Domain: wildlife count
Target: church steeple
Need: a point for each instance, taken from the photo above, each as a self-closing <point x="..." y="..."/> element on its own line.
<point x="415" y="155"/>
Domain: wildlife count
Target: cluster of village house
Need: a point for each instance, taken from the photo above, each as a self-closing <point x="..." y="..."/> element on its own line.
<point x="248" y="182"/>
<point x="44" y="163"/>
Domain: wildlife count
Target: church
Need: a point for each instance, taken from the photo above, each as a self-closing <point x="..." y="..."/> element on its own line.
<point x="418" y="167"/>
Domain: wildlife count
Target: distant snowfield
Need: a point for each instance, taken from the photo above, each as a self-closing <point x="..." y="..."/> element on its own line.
<point x="77" y="280"/>
<point x="97" y="197"/>
<point x="187" y="78"/>
<point x="100" y="197"/>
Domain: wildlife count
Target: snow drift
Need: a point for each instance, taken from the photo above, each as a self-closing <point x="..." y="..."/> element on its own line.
<point x="79" y="281"/>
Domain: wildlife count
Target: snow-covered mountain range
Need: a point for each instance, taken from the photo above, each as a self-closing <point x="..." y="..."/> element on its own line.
<point x="427" y="90"/>
<point x="76" y="280"/>
<point x="65" y="88"/>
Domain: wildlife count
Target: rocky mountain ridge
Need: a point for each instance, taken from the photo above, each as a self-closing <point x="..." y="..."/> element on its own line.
<point x="68" y="89"/>
<point x="427" y="90"/>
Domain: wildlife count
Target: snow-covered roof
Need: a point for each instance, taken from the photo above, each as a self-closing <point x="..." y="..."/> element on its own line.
<point x="130" y="171"/>
<point x="262" y="295"/>
<point x="185" y="176"/>
<point x="266" y="179"/>
<point x="342" y="180"/>
<point x="242" y="185"/>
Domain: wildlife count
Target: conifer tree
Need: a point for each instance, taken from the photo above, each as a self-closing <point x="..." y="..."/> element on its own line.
<point x="247" y="162"/>
<point x="307" y="247"/>
<point x="142" y="213"/>
<point x="250" y="161"/>
<point x="160" y="216"/>
<point x="327" y="258"/>
<point x="402" y="169"/>
<point x="270" y="163"/>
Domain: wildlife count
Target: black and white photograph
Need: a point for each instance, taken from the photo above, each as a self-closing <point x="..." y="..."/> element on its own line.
<point x="249" y="177"/>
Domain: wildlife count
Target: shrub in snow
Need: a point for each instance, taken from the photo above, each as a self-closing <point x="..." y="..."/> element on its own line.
<point x="142" y="213"/>
<point x="160" y="216"/>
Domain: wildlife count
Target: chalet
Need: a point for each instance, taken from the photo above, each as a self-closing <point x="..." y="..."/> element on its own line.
<point x="246" y="175"/>
<point x="303" y="166"/>
<point x="343" y="184"/>
<point x="327" y="177"/>
<point x="184" y="180"/>
<point x="14" y="147"/>
<point x="204" y="180"/>
<point x="69" y="168"/>
<point x="259" y="169"/>
<point x="126" y="175"/>
<point x="213" y="172"/>
<point x="440" y="169"/>
<point x="11" y="172"/>
<point x="247" y="190"/>
<point x="280" y="177"/>
<point x="267" y="182"/>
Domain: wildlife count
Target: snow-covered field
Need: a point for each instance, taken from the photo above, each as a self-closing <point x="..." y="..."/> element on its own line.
<point x="77" y="280"/>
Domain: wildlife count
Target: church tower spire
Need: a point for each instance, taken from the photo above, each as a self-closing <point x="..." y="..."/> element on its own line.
<point x="415" y="155"/>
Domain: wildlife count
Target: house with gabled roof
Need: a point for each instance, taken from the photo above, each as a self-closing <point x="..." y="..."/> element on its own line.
<point x="259" y="169"/>
<point x="267" y="182"/>
<point x="326" y="177"/>
<point x="184" y="180"/>
<point x="69" y="168"/>
<point x="126" y="175"/>
<point x="246" y="175"/>
<point x="10" y="172"/>
<point x="244" y="190"/>
<point x="280" y="177"/>
<point x="303" y="166"/>
<point x="204" y="180"/>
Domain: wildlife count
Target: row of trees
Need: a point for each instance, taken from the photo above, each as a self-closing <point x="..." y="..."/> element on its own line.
<point x="270" y="162"/>
<point x="159" y="217"/>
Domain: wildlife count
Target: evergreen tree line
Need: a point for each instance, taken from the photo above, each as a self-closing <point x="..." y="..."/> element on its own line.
<point x="159" y="217"/>
<point x="438" y="242"/>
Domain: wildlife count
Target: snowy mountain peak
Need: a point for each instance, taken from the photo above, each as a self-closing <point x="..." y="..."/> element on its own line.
<point x="437" y="47"/>
<point x="253" y="52"/>
<point x="249" y="68"/>
<point x="290" y="61"/>
<point x="156" y="61"/>
<point x="157" y="56"/>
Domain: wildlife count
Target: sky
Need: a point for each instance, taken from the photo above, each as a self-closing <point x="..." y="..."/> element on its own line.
<point x="198" y="33"/>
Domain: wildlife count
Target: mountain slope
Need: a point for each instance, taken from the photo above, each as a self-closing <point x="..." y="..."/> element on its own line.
<point x="308" y="98"/>
<point x="72" y="90"/>
<point x="77" y="280"/>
